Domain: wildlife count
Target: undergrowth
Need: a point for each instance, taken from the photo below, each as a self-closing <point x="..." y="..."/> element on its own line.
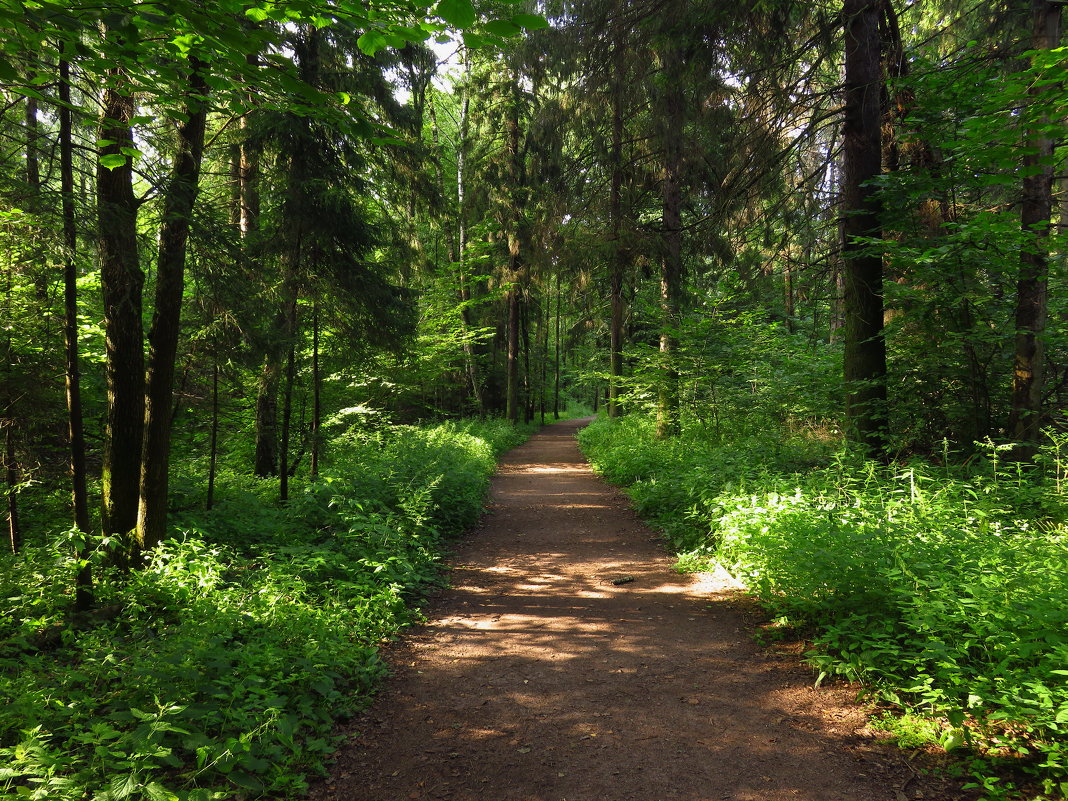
<point x="940" y="587"/>
<point x="219" y="671"/>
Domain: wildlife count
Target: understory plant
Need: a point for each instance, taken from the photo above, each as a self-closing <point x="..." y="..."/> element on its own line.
<point x="941" y="587"/>
<point x="220" y="670"/>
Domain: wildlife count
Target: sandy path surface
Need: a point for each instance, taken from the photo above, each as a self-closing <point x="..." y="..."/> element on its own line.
<point x="538" y="677"/>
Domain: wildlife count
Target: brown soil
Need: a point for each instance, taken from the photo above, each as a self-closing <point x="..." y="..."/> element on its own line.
<point x="569" y="662"/>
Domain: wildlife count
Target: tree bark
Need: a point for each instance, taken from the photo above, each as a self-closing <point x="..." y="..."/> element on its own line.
<point x="865" y="346"/>
<point x="556" y="353"/>
<point x="317" y="409"/>
<point x="1029" y="363"/>
<point x="166" y="318"/>
<point x="511" y="403"/>
<point x="83" y="594"/>
<point x="461" y="241"/>
<point x="213" y="455"/>
<point x="122" y="284"/>
<point x="266" y="460"/>
<point x="617" y="255"/>
<point x="515" y="263"/>
<point x="667" y="418"/>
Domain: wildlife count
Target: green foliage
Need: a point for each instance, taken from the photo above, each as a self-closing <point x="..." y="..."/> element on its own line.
<point x="940" y="586"/>
<point x="220" y="670"/>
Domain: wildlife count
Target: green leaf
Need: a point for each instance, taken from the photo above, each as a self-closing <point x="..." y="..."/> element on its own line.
<point x="372" y="41"/>
<point x="155" y="791"/>
<point x="474" y="41"/>
<point x="532" y="22"/>
<point x="112" y="160"/>
<point x="8" y="72"/>
<point x="502" y="27"/>
<point x="458" y="13"/>
<point x="122" y="786"/>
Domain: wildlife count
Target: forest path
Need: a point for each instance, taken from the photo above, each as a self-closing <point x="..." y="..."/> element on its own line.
<point x="538" y="678"/>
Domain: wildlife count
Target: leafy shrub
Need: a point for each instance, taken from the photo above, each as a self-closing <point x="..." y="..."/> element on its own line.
<point x="221" y="668"/>
<point x="942" y="587"/>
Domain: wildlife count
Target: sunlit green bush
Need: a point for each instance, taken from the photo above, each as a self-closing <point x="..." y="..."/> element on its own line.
<point x="942" y="587"/>
<point x="219" y="670"/>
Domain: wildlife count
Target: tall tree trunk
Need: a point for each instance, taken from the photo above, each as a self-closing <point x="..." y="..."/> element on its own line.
<point x="266" y="460"/>
<point x="788" y="287"/>
<point x="617" y="255"/>
<point x="83" y="593"/>
<point x="865" y="346"/>
<point x="667" y="418"/>
<point x="515" y="260"/>
<point x="524" y="329"/>
<point x="213" y="456"/>
<point x="544" y="332"/>
<point x="166" y="317"/>
<point x="556" y="353"/>
<point x="7" y="422"/>
<point x="33" y="165"/>
<point x="511" y="403"/>
<point x="317" y="409"/>
<point x="11" y="470"/>
<point x="287" y="417"/>
<point x="461" y="240"/>
<point x="1029" y="364"/>
<point x="122" y="283"/>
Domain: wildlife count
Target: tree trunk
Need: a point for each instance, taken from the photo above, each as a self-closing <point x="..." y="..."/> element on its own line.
<point x="667" y="418"/>
<point x="515" y="264"/>
<point x="865" y="347"/>
<point x="266" y="463"/>
<point x="1029" y="364"/>
<point x="317" y="408"/>
<point x="83" y="593"/>
<point x="511" y="403"/>
<point x="788" y="287"/>
<point x="213" y="456"/>
<point x="166" y="317"/>
<point x="122" y="283"/>
<point x="461" y="242"/>
<point x="287" y="416"/>
<point x="543" y="383"/>
<point x="617" y="255"/>
<point x="556" y="353"/>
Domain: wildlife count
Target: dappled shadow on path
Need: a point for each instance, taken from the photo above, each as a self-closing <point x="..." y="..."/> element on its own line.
<point x="570" y="663"/>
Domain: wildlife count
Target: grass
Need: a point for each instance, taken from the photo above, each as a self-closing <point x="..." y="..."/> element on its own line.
<point x="940" y="587"/>
<point x="221" y="670"/>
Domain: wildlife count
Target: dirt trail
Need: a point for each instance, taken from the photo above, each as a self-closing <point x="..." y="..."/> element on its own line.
<point x="540" y="678"/>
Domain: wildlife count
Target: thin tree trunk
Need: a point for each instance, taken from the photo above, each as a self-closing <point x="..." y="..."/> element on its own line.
<point x="266" y="461"/>
<point x="1029" y="364"/>
<point x="511" y="404"/>
<point x="788" y="281"/>
<point x="556" y="389"/>
<point x="667" y="422"/>
<point x="213" y="456"/>
<point x="524" y="330"/>
<point x="461" y="240"/>
<point x="83" y="594"/>
<point x="287" y="415"/>
<point x="544" y="332"/>
<point x="865" y="347"/>
<point x="122" y="283"/>
<point x="11" y="470"/>
<point x="617" y="256"/>
<point x="166" y="318"/>
<point x="317" y="408"/>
